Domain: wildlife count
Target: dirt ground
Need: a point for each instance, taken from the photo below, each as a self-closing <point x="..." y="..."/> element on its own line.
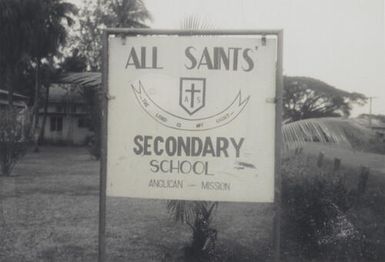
<point x="49" y="212"/>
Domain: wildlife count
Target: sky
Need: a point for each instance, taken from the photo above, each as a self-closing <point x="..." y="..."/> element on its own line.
<point x="341" y="42"/>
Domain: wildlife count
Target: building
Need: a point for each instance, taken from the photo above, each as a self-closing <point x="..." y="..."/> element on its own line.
<point x="379" y="127"/>
<point x="68" y="120"/>
<point x="19" y="101"/>
<point x="374" y="122"/>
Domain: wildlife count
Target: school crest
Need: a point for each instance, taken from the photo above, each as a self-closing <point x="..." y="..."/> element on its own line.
<point x="192" y="94"/>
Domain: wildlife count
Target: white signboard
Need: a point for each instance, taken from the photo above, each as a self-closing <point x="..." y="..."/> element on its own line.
<point x="192" y="117"/>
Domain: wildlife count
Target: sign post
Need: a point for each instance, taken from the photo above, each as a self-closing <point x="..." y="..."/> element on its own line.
<point x="192" y="115"/>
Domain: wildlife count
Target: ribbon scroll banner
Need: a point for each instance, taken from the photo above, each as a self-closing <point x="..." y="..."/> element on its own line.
<point x="190" y="117"/>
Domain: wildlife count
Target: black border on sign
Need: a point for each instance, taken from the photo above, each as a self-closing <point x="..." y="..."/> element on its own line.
<point x="104" y="130"/>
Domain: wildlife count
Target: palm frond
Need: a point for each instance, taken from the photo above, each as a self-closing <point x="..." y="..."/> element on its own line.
<point x="338" y="132"/>
<point x="84" y="79"/>
<point x="194" y="22"/>
<point x="186" y="211"/>
<point x="182" y="210"/>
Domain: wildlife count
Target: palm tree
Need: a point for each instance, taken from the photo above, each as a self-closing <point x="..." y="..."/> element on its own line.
<point x="125" y="13"/>
<point x="198" y="216"/>
<point x="95" y="16"/>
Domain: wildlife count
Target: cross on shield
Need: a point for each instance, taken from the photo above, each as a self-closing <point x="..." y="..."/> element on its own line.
<point x="192" y="94"/>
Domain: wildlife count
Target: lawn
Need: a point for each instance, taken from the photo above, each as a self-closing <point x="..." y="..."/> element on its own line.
<point x="49" y="212"/>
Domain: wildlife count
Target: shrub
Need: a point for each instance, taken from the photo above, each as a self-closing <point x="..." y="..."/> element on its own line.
<point x="377" y="146"/>
<point x="331" y="215"/>
<point x="314" y="206"/>
<point x="13" y="138"/>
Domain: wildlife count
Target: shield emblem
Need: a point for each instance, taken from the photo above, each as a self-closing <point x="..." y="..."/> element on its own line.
<point x="192" y="94"/>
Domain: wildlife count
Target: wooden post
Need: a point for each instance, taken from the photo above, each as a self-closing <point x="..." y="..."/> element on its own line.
<point x="278" y="143"/>
<point x="337" y="164"/>
<point x="320" y="159"/>
<point x="103" y="155"/>
<point x="363" y="180"/>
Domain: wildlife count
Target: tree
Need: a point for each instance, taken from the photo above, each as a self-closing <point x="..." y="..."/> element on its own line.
<point x="31" y="31"/>
<point x="49" y="33"/>
<point x="96" y="16"/>
<point x="74" y="63"/>
<point x="306" y="97"/>
<point x="15" y="27"/>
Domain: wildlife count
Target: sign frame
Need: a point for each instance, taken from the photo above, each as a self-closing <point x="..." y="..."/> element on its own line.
<point x="124" y="32"/>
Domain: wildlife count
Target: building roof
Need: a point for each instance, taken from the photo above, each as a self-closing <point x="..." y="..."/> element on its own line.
<point x="60" y="93"/>
<point x="16" y="95"/>
<point x="17" y="104"/>
<point x="365" y="121"/>
<point x="18" y="99"/>
<point x="85" y="79"/>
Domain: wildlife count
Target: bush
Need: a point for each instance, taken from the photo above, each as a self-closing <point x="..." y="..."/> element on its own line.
<point x="377" y="146"/>
<point x="13" y="139"/>
<point x="328" y="215"/>
<point x="314" y="206"/>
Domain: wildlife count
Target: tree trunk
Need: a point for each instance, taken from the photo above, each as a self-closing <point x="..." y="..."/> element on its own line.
<point x="35" y="124"/>
<point x="9" y="84"/>
<point x="42" y="130"/>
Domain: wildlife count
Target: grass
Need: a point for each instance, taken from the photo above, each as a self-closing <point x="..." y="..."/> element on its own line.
<point x="49" y="212"/>
<point x="49" y="208"/>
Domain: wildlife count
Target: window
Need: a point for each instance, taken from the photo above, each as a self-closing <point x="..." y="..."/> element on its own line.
<point x="84" y="122"/>
<point x="80" y="108"/>
<point x="56" y="123"/>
